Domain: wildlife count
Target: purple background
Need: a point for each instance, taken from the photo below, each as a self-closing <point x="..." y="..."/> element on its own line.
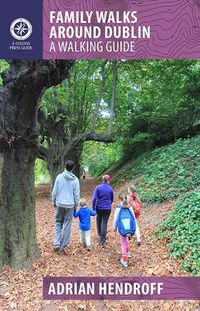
<point x="175" y="288"/>
<point x="11" y="10"/>
<point x="175" y="27"/>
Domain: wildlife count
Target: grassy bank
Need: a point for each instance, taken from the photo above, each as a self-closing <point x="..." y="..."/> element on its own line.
<point x="166" y="172"/>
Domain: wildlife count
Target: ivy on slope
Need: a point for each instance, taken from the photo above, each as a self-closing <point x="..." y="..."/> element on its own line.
<point x="166" y="172"/>
<point x="181" y="230"/>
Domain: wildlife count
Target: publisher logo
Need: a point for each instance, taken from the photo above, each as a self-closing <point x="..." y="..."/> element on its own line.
<point x="21" y="29"/>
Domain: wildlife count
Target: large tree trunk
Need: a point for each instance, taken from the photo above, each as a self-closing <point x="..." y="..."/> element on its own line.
<point x="55" y="161"/>
<point x="75" y="155"/>
<point x="58" y="152"/>
<point x="24" y="83"/>
<point x="17" y="228"/>
<point x="56" y="167"/>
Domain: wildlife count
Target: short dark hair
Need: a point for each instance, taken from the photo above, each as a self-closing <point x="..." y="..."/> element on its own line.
<point x="69" y="165"/>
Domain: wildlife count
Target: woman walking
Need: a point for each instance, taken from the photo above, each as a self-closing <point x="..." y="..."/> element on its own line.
<point x="102" y="202"/>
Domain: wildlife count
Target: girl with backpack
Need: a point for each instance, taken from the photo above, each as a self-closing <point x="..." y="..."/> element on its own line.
<point x="125" y="222"/>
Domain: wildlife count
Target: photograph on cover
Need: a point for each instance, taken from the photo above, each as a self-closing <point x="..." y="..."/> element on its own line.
<point x="100" y="155"/>
<point x="126" y="132"/>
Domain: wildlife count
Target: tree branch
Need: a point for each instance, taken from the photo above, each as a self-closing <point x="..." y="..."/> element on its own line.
<point x="99" y="138"/>
<point x="43" y="153"/>
<point x="81" y="139"/>
<point x="26" y="81"/>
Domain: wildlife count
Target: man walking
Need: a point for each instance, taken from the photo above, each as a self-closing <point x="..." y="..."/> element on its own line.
<point x="65" y="196"/>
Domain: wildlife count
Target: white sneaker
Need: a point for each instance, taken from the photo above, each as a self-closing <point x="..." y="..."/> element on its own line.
<point x="124" y="263"/>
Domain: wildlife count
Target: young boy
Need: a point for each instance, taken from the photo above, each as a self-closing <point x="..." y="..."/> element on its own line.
<point x="84" y="223"/>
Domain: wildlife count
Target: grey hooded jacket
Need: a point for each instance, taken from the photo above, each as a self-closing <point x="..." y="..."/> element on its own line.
<point x="66" y="190"/>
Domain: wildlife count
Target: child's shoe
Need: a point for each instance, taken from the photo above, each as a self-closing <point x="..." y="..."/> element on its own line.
<point x="56" y="249"/>
<point x="139" y="243"/>
<point x="62" y="251"/>
<point x="129" y="255"/>
<point x="88" y="248"/>
<point x="124" y="261"/>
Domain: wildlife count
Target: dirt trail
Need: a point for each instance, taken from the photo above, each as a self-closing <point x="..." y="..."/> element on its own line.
<point x="22" y="290"/>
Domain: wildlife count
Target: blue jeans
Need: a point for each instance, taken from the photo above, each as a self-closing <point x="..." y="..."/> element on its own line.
<point x="62" y="226"/>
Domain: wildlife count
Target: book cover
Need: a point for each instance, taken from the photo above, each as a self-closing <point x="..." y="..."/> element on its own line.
<point x="99" y="155"/>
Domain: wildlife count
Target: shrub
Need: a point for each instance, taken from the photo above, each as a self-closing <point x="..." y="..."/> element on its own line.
<point x="165" y="172"/>
<point x="181" y="231"/>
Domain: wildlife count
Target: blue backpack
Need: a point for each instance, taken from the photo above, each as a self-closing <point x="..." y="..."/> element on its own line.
<point x="126" y="222"/>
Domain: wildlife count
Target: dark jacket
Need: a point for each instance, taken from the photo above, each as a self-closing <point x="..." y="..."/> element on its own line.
<point x="103" y="197"/>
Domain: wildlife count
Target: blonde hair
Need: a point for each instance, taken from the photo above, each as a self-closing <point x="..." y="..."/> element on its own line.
<point x="82" y="202"/>
<point x="132" y="188"/>
<point x="124" y="199"/>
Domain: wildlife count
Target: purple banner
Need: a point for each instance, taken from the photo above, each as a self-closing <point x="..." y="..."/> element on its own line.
<point x="121" y="288"/>
<point x="121" y="29"/>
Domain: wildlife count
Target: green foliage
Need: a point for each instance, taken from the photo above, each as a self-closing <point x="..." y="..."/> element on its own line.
<point x="157" y="102"/>
<point x="181" y="231"/>
<point x="78" y="106"/>
<point x="98" y="157"/>
<point x="3" y="66"/>
<point x="160" y="99"/>
<point x="41" y="172"/>
<point x="141" y="142"/>
<point x="164" y="173"/>
<point x="71" y="105"/>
